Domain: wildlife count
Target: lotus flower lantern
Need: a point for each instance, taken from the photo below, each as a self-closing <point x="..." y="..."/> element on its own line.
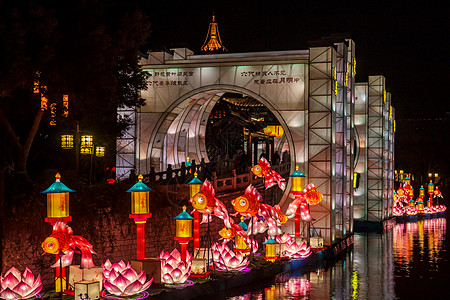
<point x="228" y="260"/>
<point x="121" y="279"/>
<point x="19" y="286"/>
<point x="173" y="269"/>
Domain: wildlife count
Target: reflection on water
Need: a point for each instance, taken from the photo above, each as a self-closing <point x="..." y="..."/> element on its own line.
<point x="405" y="262"/>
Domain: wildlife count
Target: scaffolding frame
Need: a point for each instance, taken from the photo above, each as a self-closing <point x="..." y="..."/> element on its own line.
<point x="375" y="149"/>
<point x="321" y="135"/>
<point x="126" y="145"/>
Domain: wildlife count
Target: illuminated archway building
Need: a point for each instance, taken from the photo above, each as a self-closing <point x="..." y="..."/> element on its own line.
<point x="333" y="127"/>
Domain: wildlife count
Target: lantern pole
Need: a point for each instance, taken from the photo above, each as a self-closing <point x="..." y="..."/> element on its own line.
<point x="58" y="210"/>
<point x="183" y="231"/>
<point x="140" y="212"/>
<point x="431" y="192"/>
<point x="296" y="191"/>
<point x="194" y="188"/>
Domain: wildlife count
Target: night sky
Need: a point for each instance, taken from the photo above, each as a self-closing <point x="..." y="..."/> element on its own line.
<point x="407" y="43"/>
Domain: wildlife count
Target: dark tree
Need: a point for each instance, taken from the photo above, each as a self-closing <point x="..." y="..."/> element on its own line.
<point x="87" y="49"/>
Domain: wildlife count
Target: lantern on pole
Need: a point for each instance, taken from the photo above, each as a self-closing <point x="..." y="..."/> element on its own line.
<point x="430" y="191"/>
<point x="58" y="202"/>
<point x="194" y="187"/>
<point x="58" y="210"/>
<point x="140" y="212"/>
<point x="296" y="191"/>
<point x="183" y="231"/>
<point x="239" y="242"/>
<point x="271" y="253"/>
<point x="411" y="196"/>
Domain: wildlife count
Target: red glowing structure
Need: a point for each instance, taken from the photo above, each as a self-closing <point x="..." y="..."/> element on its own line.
<point x="140" y="212"/>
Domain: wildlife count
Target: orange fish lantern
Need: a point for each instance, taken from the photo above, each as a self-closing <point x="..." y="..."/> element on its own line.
<point x="247" y="204"/>
<point x="63" y="242"/>
<point x="313" y="196"/>
<point x="227" y="233"/>
<point x="205" y="200"/>
<point x="271" y="177"/>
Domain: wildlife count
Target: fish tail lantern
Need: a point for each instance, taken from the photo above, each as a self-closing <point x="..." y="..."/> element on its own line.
<point x="140" y="212"/>
<point x="183" y="231"/>
<point x="194" y="187"/>
<point x="430" y="191"/>
<point x="58" y="210"/>
<point x="271" y="253"/>
<point x="296" y="190"/>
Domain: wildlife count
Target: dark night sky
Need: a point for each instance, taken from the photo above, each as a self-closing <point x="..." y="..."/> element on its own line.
<point x="407" y="43"/>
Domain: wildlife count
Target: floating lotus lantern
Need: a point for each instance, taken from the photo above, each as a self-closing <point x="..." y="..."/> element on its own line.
<point x="174" y="270"/>
<point x="428" y="210"/>
<point x="121" y="279"/>
<point x="19" y="286"/>
<point x="411" y="211"/>
<point x="226" y="259"/>
<point x="398" y="211"/>
<point x="295" y="250"/>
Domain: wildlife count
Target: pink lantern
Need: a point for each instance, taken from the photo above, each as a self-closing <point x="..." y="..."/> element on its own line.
<point x="295" y="250"/>
<point x="228" y="260"/>
<point x="17" y="286"/>
<point x="174" y="270"/>
<point x="121" y="279"/>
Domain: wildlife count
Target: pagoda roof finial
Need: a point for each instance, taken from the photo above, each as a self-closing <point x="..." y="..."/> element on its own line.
<point x="213" y="43"/>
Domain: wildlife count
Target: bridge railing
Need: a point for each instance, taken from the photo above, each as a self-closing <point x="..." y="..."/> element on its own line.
<point x="228" y="182"/>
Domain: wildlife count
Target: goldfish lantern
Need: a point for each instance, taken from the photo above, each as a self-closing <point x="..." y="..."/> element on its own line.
<point x="313" y="196"/>
<point x="271" y="253"/>
<point x="140" y="212"/>
<point x="57" y="201"/>
<point x="430" y="191"/>
<point x="183" y="231"/>
<point x="400" y="192"/>
<point x="239" y="242"/>
<point x="246" y="205"/>
<point x="194" y="188"/>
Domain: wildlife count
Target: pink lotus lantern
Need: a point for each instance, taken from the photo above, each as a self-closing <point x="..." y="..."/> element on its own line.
<point x="397" y="211"/>
<point x="411" y="211"/>
<point x="17" y="286"/>
<point x="441" y="208"/>
<point x="174" y="270"/>
<point x="295" y="250"/>
<point x="428" y="210"/>
<point x="228" y="260"/>
<point x="121" y="279"/>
